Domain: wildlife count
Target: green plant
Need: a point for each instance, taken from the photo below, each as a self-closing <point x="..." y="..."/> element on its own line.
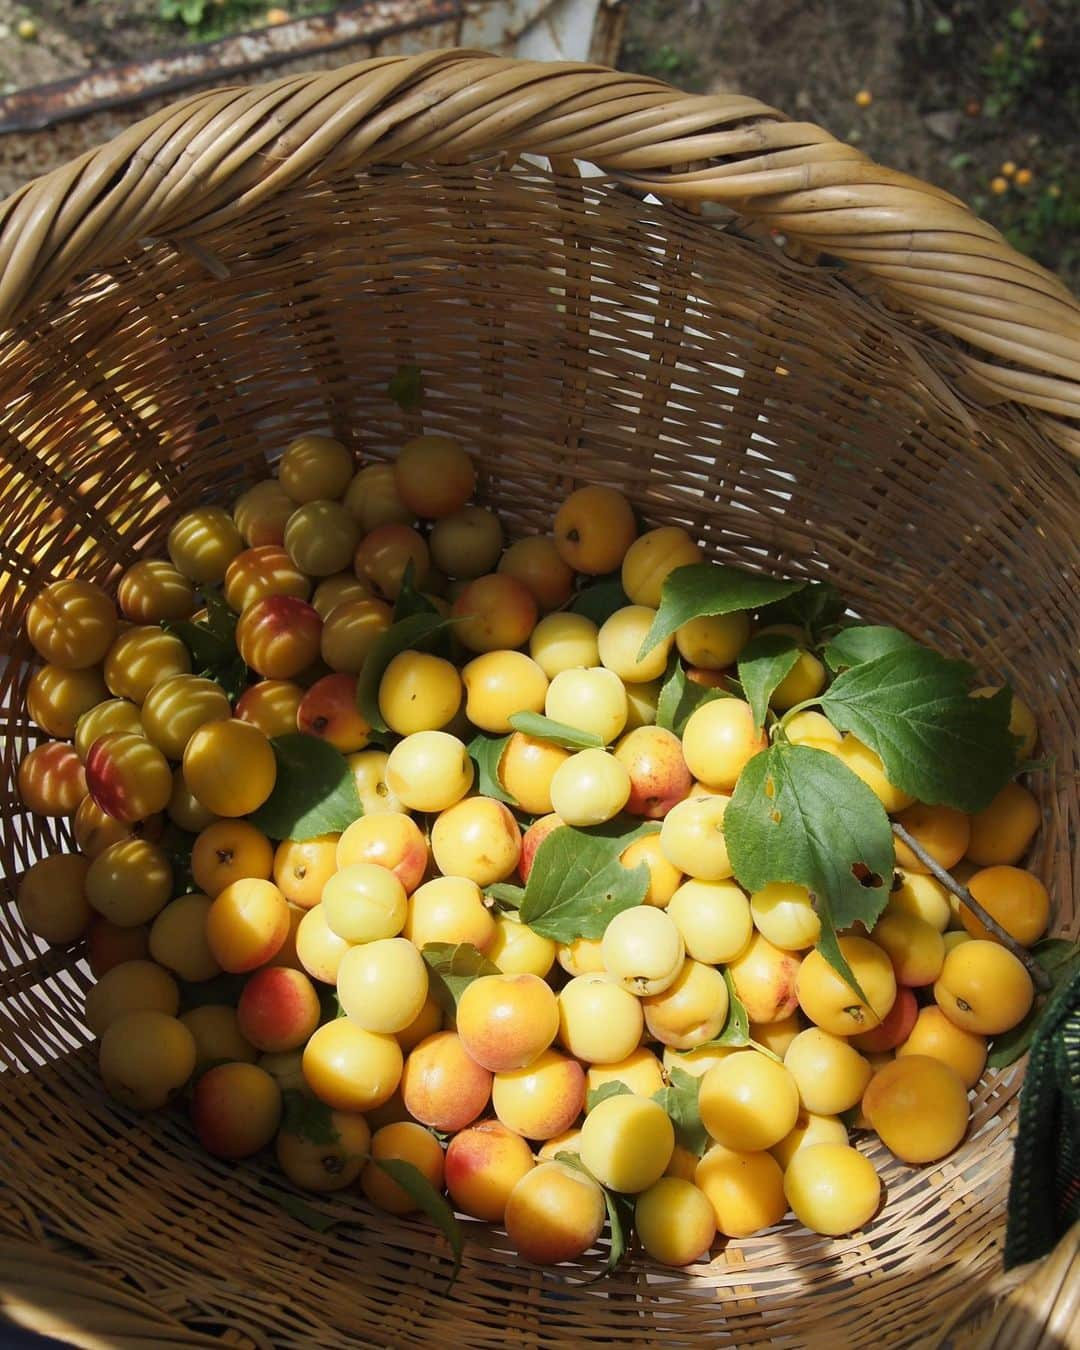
<point x="1016" y="61"/>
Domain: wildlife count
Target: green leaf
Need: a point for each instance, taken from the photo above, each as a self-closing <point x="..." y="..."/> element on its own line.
<point x="505" y="894"/>
<point x="736" y="1030"/>
<point x="308" y="1118"/>
<point x="314" y="793"/>
<point x="410" y="601"/>
<point x="680" y="697"/>
<point x="423" y="1193"/>
<point x="864" y="642"/>
<point x="912" y="707"/>
<point x="543" y="728"/>
<point x="452" y="967"/>
<point x="1060" y="959"/>
<point x="213" y="653"/>
<point x="486" y="753"/>
<point x="219" y="989"/>
<point x="620" y="1209"/>
<point x="800" y="815"/>
<point x="406" y="387"/>
<point x="600" y="599"/>
<point x="615" y="1088"/>
<point x="620" y="1215"/>
<point x="1034" y="765"/>
<point x="316" y="1219"/>
<point x="680" y="1100"/>
<point x="577" y="884"/>
<point x="763" y="663"/>
<point x="402" y="636"/>
<point x="816" y="606"/>
<point x="710" y="588"/>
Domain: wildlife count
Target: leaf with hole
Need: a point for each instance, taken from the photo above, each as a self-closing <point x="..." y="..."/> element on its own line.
<point x="764" y="663"/>
<point x="314" y="792"/>
<point x="800" y="815"/>
<point x="703" y="589"/>
<point x="452" y="967"/>
<point x="577" y="884"/>
<point x="542" y="728"/>
<point x="912" y="707"/>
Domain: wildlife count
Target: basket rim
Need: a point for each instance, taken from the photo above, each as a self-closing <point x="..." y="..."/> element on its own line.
<point x="208" y="161"/>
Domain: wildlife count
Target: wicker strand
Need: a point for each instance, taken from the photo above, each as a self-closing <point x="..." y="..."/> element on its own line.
<point x="207" y="162"/>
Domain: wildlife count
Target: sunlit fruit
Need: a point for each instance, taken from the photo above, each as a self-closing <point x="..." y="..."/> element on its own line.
<point x="832" y="1188"/>
<point x="983" y="988"/>
<point x="918" y="1105"/>
<point x="1016" y="898"/>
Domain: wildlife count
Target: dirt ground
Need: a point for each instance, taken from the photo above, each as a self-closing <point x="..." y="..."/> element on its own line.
<point x="958" y="89"/>
<point x="981" y="96"/>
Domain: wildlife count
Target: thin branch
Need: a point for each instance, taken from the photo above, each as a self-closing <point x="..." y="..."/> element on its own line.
<point x="1039" y="977"/>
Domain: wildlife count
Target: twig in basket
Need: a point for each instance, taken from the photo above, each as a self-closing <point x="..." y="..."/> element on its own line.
<point x="1039" y="976"/>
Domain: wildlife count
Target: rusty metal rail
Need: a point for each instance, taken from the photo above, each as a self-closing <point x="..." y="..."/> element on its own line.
<point x="46" y="125"/>
<point x="372" y="24"/>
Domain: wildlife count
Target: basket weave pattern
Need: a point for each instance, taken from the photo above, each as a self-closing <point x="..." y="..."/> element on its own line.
<point x="253" y="264"/>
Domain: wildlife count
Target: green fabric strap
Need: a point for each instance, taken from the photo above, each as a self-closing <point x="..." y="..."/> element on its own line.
<point x="1044" y="1194"/>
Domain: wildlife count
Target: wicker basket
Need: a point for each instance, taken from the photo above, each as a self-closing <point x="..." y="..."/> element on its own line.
<point x="890" y="401"/>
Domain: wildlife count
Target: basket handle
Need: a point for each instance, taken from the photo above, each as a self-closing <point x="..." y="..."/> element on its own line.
<point x="209" y="160"/>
